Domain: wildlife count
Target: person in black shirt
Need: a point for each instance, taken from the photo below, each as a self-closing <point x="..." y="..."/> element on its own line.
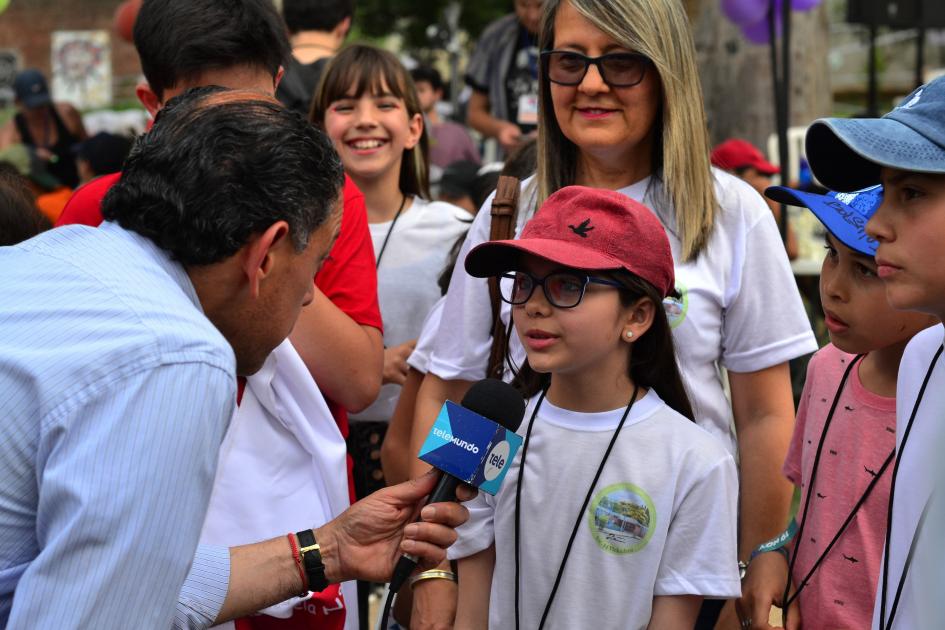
<point x="503" y="75"/>
<point x="317" y="28"/>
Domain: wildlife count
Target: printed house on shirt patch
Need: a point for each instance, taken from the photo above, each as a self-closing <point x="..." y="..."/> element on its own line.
<point x="621" y="518"/>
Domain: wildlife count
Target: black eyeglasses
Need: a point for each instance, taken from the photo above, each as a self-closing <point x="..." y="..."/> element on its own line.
<point x="566" y="67"/>
<point x="563" y="289"/>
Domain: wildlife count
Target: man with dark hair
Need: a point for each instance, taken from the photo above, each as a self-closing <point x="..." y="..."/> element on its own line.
<point x="118" y="364"/>
<point x="317" y="29"/>
<point x="338" y="336"/>
<point x="449" y="141"/>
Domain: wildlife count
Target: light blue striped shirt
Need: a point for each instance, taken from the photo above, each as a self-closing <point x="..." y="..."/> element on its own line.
<point x="115" y="393"/>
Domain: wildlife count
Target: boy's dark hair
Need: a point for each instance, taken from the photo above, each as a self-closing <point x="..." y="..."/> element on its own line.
<point x="315" y="15"/>
<point x="431" y="75"/>
<point x="652" y="359"/>
<point x="219" y="166"/>
<point x="19" y="217"/>
<point x="177" y="40"/>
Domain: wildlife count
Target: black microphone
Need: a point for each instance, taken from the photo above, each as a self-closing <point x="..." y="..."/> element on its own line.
<point x="492" y="399"/>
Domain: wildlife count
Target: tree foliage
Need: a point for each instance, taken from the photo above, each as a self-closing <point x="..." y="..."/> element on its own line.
<point x="410" y="18"/>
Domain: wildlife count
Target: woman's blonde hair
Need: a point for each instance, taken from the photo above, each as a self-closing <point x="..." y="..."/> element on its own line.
<point x="658" y="29"/>
<point x="368" y="70"/>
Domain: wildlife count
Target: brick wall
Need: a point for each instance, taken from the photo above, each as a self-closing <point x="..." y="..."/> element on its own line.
<point x="27" y="27"/>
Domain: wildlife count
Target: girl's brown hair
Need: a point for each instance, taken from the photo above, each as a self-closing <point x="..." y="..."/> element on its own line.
<point x="652" y="362"/>
<point x="359" y="69"/>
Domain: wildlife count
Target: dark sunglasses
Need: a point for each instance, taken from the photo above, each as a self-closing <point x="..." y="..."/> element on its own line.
<point x="566" y="67"/>
<point x="562" y="289"/>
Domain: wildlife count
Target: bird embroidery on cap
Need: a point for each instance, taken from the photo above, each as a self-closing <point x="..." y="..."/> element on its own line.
<point x="582" y="229"/>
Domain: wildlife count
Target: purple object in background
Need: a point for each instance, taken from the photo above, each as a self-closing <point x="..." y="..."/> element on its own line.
<point x="745" y="12"/>
<point x="751" y="16"/>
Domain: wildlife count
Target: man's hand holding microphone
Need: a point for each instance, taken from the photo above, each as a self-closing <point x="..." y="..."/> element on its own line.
<point x="368" y="538"/>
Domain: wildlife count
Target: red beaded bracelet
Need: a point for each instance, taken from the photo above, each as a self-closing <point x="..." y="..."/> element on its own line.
<point x="294" y="544"/>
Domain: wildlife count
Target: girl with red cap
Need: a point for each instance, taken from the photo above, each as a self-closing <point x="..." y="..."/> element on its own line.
<point x="621" y="110"/>
<point x="644" y="517"/>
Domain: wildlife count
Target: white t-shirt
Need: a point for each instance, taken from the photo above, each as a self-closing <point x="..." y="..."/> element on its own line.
<point x="661" y="520"/>
<point x="407" y="286"/>
<point x="920" y="466"/>
<point x="281" y="468"/>
<point x="419" y="359"/>
<point x="740" y="307"/>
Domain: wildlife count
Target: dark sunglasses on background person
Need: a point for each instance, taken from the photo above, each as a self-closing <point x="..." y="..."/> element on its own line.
<point x="563" y="289"/>
<point x="567" y="67"/>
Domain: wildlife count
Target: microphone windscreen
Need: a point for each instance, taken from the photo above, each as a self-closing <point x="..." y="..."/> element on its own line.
<point x="496" y="400"/>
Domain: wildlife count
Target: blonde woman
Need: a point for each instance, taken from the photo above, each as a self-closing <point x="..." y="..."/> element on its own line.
<point x="621" y="108"/>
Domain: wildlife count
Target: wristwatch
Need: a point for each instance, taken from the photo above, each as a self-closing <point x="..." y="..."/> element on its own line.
<point x="312" y="561"/>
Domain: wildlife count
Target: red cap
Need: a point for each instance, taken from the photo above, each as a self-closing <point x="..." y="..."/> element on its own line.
<point x="588" y="229"/>
<point x="733" y="154"/>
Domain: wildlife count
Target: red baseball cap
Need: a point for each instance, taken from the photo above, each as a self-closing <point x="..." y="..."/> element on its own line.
<point x="588" y="229"/>
<point x="733" y="154"/>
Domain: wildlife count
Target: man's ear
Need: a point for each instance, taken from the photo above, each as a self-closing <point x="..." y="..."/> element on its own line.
<point x="278" y="79"/>
<point x="148" y="98"/>
<point x="260" y="253"/>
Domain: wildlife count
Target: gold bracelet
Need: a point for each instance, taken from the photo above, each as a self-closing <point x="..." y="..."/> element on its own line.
<point x="433" y="574"/>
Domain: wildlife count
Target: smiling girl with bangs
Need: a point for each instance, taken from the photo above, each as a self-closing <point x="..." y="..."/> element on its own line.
<point x="368" y="106"/>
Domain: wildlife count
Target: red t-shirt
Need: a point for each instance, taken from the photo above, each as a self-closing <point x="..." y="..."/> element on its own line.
<point x="85" y="205"/>
<point x="349" y="279"/>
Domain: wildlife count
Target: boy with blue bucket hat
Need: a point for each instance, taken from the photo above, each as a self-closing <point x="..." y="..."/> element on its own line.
<point x="823" y="570"/>
<point x="905" y="151"/>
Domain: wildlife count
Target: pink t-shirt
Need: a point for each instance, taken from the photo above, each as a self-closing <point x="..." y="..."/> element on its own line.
<point x="862" y="434"/>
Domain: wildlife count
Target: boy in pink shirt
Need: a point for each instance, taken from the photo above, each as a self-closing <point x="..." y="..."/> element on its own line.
<point x="844" y="440"/>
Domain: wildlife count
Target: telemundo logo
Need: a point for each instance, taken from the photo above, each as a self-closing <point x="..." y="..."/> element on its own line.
<point x="449" y="437"/>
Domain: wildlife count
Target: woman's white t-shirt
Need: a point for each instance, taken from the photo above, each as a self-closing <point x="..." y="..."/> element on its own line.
<point x="661" y="520"/>
<point x="407" y="276"/>
<point x="740" y="307"/>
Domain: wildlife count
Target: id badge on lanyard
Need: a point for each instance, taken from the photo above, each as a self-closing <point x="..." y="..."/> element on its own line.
<point x="527" y="109"/>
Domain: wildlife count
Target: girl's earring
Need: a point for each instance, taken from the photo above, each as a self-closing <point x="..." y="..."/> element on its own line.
<point x="629" y="334"/>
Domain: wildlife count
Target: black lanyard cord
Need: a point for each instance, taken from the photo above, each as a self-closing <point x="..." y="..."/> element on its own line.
<point x="886" y="624"/>
<point x="518" y="498"/>
<point x="390" y="231"/>
<point x="810" y="492"/>
<point x="836" y="537"/>
<point x="580" y="514"/>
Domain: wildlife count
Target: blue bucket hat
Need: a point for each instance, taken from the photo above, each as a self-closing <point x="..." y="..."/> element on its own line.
<point x="844" y="214"/>
<point x="847" y="153"/>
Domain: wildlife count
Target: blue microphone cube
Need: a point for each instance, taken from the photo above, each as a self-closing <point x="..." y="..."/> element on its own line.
<point x="470" y="447"/>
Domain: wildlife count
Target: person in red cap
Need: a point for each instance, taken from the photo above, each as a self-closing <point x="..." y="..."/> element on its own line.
<point x="647" y="528"/>
<point x="743" y="160"/>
